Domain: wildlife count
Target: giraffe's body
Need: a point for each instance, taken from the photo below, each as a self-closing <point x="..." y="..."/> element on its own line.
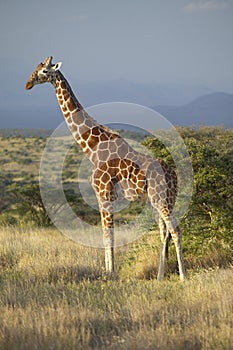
<point x="118" y="170"/>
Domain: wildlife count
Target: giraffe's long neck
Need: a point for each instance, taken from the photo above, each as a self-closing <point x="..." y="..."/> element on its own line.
<point x="81" y="125"/>
<point x="66" y="98"/>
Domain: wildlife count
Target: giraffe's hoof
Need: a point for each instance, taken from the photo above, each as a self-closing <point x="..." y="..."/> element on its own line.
<point x="182" y="278"/>
<point x="160" y="277"/>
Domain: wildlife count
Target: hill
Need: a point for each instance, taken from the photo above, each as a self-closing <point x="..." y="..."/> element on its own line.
<point x="211" y="109"/>
<point x="39" y="108"/>
<point x="179" y="104"/>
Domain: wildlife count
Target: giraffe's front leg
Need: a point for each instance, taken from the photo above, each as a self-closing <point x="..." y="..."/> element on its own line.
<point x="107" y="219"/>
<point x="108" y="239"/>
<point x="105" y="195"/>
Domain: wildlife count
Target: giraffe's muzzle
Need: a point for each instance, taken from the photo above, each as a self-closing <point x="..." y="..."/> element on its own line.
<point x="29" y="85"/>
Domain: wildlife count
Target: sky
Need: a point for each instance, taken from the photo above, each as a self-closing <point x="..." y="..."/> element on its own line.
<point x="140" y="40"/>
<point x="143" y="41"/>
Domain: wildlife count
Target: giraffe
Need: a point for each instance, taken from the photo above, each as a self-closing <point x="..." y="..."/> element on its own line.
<point x="118" y="170"/>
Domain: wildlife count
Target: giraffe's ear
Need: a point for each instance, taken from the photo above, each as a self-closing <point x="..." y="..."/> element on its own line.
<point x="57" y="66"/>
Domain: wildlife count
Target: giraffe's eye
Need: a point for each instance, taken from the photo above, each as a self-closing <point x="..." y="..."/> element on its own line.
<point x="45" y="71"/>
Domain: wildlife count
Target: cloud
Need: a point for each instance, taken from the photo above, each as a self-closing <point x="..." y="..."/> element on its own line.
<point x="206" y="6"/>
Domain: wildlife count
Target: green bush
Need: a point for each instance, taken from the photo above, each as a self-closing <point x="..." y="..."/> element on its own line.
<point x="209" y="218"/>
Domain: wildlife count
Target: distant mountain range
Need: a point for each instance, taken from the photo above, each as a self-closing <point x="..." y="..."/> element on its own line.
<point x="181" y="104"/>
<point x="121" y="90"/>
<point x="210" y="109"/>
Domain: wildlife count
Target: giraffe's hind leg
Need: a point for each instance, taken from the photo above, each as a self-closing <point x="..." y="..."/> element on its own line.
<point x="165" y="237"/>
<point x="176" y="234"/>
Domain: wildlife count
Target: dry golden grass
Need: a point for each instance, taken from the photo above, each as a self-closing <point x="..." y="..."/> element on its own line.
<point x="54" y="295"/>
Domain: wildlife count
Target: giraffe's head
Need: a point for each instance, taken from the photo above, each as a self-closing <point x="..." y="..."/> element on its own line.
<point x="44" y="72"/>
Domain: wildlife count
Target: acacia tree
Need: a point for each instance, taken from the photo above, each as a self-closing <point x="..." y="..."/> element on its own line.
<point x="29" y="206"/>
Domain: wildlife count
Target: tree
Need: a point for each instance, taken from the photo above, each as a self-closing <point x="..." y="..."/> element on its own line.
<point x="29" y="204"/>
<point x="211" y="152"/>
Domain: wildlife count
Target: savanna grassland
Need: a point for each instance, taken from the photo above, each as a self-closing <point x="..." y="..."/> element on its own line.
<point x="54" y="293"/>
